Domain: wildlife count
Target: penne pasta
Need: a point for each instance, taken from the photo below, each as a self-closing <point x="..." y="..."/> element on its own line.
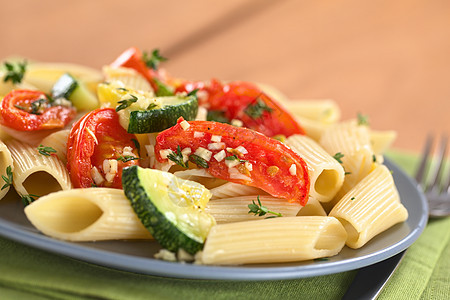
<point x="57" y="141"/>
<point x="326" y="174"/>
<point x="371" y="207"/>
<point x="231" y="189"/>
<point x="86" y="215"/>
<point x="36" y="174"/>
<point x="323" y="111"/>
<point x="127" y="77"/>
<point x="227" y="210"/>
<point x="312" y="208"/>
<point x="382" y="140"/>
<point x="6" y="163"/>
<point x="274" y="240"/>
<point x="314" y="129"/>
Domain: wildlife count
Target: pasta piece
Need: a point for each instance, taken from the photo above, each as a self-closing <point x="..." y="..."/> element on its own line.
<point x="128" y="77"/>
<point x="44" y="75"/>
<point x="274" y="240"/>
<point x="327" y="175"/>
<point x="323" y="111"/>
<point x="88" y="214"/>
<point x="202" y="114"/>
<point x="371" y="207"/>
<point x="312" y="208"/>
<point x="273" y="92"/>
<point x="36" y="174"/>
<point x="353" y="142"/>
<point x="227" y="210"/>
<point x="58" y="141"/>
<point x="314" y="129"/>
<point x="382" y="140"/>
<point x="200" y="176"/>
<point x="5" y="162"/>
<point x="29" y="137"/>
<point x="231" y="189"/>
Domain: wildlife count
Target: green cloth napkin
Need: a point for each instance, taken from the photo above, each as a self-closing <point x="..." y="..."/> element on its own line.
<point x="28" y="273"/>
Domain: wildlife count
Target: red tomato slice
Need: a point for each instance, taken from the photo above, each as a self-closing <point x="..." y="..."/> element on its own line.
<point x="274" y="167"/>
<point x="97" y="137"/>
<point x="246" y="102"/>
<point x="28" y="110"/>
<point x="132" y="58"/>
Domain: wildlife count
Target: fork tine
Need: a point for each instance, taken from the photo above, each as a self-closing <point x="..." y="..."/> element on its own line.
<point x="436" y="178"/>
<point x="423" y="162"/>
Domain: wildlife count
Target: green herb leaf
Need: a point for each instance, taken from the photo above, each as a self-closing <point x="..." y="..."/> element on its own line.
<point x="201" y="162"/>
<point x="152" y="106"/>
<point x="177" y="157"/>
<point x="363" y="119"/>
<point x="47" y="151"/>
<point x="37" y="107"/>
<point x="234" y="157"/>
<point x="322" y="259"/>
<point x="217" y="116"/>
<point x="374" y="158"/>
<point x="15" y="72"/>
<point x="27" y="199"/>
<point x="256" y="110"/>
<point x="126" y="102"/>
<point x="127" y="158"/>
<point x="153" y="60"/>
<point x="352" y="198"/>
<point x="8" y="179"/>
<point x="163" y="89"/>
<point x="338" y="156"/>
<point x="260" y="210"/>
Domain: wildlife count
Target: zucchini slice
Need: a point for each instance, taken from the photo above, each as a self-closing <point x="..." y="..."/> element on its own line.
<point x="75" y="91"/>
<point x="162" y="113"/>
<point x="171" y="208"/>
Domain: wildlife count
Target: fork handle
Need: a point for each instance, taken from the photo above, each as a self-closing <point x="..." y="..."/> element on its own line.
<point x="369" y="281"/>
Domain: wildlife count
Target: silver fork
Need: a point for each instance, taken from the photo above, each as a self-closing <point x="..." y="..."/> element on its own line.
<point x="370" y="281"/>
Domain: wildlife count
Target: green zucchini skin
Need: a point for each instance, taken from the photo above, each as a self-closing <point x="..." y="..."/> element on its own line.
<point x="64" y="87"/>
<point x="165" y="232"/>
<point x="156" y="120"/>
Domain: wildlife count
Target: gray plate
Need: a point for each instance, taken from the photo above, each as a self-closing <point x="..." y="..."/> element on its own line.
<point x="136" y="256"/>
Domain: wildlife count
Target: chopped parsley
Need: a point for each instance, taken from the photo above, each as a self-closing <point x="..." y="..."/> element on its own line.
<point x="201" y="162"/>
<point x="217" y="116"/>
<point x="37" y="107"/>
<point x="338" y="156"/>
<point x="27" y="199"/>
<point x="153" y="60"/>
<point x="46" y="151"/>
<point x="127" y="158"/>
<point x="363" y="119"/>
<point x="234" y="157"/>
<point x="374" y="158"/>
<point x="177" y="157"/>
<point x="126" y="102"/>
<point x="257" y="109"/>
<point x="261" y="210"/>
<point x="15" y="72"/>
<point x="152" y="106"/>
<point x="8" y="179"/>
<point x="352" y="198"/>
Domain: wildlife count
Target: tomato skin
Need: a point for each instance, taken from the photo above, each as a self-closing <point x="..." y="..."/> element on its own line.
<point x="236" y="97"/>
<point x="51" y="117"/>
<point x="133" y="58"/>
<point x="263" y="153"/>
<point x="95" y="137"/>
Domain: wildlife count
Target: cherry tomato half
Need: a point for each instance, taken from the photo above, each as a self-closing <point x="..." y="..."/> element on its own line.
<point x="28" y="110"/>
<point x="97" y="137"/>
<point x="247" y="157"/>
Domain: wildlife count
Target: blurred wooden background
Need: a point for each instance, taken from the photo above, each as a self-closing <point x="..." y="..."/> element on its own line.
<point x="387" y="59"/>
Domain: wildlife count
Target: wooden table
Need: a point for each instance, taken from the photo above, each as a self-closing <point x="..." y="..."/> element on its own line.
<point x="387" y="59"/>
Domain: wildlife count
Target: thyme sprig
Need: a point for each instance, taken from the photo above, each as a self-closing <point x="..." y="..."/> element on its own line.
<point x="126" y="102"/>
<point x="15" y="72"/>
<point x="338" y="156"/>
<point x="46" y="151"/>
<point x="27" y="199"/>
<point x="127" y="158"/>
<point x="177" y="157"/>
<point x="201" y="162"/>
<point x="261" y="210"/>
<point x="153" y="60"/>
<point x="8" y="179"/>
<point x="257" y="109"/>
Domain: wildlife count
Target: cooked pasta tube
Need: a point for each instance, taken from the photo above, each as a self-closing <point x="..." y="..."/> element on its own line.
<point x="327" y="175"/>
<point x="58" y="141"/>
<point x="231" y="189"/>
<point x="200" y="176"/>
<point x="29" y="137"/>
<point x="371" y="207"/>
<point x="283" y="239"/>
<point x="227" y="210"/>
<point x="312" y="208"/>
<point x="36" y="174"/>
<point x="314" y="129"/>
<point x="382" y="140"/>
<point x="323" y="111"/>
<point x="350" y="142"/>
<point x="128" y="77"/>
<point x="88" y="214"/>
<point x="6" y="169"/>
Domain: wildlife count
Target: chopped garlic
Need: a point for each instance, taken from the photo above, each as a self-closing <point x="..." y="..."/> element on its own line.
<point x="106" y="166"/>
<point x="114" y="165"/>
<point x="185" y="152"/>
<point x="184" y="256"/>
<point x="164" y="153"/>
<point x="203" y="153"/>
<point x="127" y="151"/>
<point x="216" y="146"/>
<point x="96" y="176"/>
<point x="242" y="150"/>
<point x="248" y="166"/>
<point x="165" y="254"/>
<point x="293" y="169"/>
<point x="232" y="162"/>
<point x="220" y="155"/>
<point x="198" y="134"/>
<point x="184" y="124"/>
<point x="237" y="123"/>
<point x="216" y="138"/>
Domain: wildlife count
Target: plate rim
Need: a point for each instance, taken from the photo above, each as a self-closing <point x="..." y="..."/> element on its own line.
<point x="150" y="266"/>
